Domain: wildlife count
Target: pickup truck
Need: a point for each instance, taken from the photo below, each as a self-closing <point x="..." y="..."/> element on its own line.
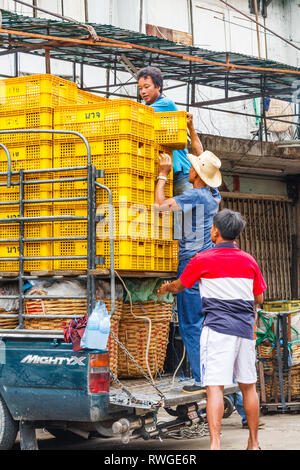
<point x="45" y="384"/>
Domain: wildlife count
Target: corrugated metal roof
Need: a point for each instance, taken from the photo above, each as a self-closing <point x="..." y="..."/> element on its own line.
<point x="259" y="74"/>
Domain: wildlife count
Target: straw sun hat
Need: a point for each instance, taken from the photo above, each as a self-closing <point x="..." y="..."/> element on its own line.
<point x="207" y="166"/>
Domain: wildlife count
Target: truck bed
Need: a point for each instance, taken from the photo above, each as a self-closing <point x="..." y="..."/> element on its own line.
<point x="133" y="393"/>
<point x="146" y="397"/>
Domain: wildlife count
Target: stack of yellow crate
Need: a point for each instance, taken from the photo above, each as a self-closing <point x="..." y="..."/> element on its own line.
<point x="126" y="139"/>
<point x="28" y="103"/>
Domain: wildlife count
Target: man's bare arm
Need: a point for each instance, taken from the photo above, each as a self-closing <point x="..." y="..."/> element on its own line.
<point x="258" y="299"/>
<point x="165" y="166"/>
<point x="196" y="145"/>
<point x="160" y="199"/>
<point x="174" y="287"/>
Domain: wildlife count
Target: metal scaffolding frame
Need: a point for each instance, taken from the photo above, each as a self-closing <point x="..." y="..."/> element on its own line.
<point x="42" y="177"/>
<point x="119" y="50"/>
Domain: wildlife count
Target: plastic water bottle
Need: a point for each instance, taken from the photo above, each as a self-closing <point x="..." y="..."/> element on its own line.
<point x="104" y="329"/>
<point x="97" y="329"/>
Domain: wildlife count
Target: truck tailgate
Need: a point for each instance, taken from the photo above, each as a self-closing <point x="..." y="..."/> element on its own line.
<point x="143" y="395"/>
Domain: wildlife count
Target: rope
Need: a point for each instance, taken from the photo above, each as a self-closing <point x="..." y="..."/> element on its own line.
<point x="174" y="375"/>
<point x="267" y="320"/>
<point x="261" y="336"/>
<point x="139" y="317"/>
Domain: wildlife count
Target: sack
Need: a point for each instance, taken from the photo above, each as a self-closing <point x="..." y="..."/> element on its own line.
<point x="74" y="331"/>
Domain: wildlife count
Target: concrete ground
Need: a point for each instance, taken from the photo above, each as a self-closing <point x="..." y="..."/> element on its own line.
<point x="280" y="432"/>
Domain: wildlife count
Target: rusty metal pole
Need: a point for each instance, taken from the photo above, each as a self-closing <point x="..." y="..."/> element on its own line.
<point x="108" y="42"/>
<point x="47" y="60"/>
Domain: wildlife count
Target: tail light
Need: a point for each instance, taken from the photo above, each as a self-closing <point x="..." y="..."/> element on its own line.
<point x="99" y="373"/>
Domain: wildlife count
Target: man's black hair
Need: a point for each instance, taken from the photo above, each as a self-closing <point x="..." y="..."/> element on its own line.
<point x="229" y="223"/>
<point x="154" y="73"/>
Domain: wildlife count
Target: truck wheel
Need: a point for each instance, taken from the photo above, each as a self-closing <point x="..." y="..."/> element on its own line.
<point x="228" y="407"/>
<point x="8" y="427"/>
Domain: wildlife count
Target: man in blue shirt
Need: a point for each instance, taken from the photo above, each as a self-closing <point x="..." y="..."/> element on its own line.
<point x="150" y="83"/>
<point x="194" y="210"/>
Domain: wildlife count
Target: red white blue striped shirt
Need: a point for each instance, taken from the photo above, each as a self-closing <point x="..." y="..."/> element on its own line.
<point x="229" y="278"/>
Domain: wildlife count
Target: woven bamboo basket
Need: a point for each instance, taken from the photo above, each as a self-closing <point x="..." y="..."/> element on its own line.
<point x="70" y="307"/>
<point x="8" y="323"/>
<point x="291" y="380"/>
<point x="112" y="345"/>
<point x="51" y="307"/>
<point x="134" y="332"/>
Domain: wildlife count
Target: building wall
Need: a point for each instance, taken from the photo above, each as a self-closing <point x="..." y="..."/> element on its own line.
<point x="257" y="185"/>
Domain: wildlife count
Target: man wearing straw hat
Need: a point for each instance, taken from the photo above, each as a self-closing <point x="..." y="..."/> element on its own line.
<point x="150" y="84"/>
<point x="194" y="210"/>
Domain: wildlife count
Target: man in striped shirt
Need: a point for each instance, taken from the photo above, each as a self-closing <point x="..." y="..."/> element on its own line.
<point x="230" y="283"/>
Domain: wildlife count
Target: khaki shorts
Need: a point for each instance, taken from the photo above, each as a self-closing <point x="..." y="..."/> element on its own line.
<point x="225" y="359"/>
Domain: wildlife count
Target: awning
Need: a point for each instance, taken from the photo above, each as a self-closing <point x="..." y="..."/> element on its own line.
<point x="246" y="75"/>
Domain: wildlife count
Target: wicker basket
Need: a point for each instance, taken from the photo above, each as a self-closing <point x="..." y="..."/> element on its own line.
<point x="291" y="378"/>
<point x="112" y="345"/>
<point x="70" y="307"/>
<point x="51" y="307"/>
<point x="133" y="334"/>
<point x="8" y="323"/>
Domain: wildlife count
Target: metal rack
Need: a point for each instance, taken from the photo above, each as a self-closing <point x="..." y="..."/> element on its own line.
<point x="282" y="367"/>
<point x="92" y="184"/>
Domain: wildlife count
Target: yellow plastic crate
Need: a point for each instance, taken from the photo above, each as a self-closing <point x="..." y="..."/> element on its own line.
<point x="31" y="249"/>
<point x="126" y="184"/>
<point x="26" y="118"/>
<point x="69" y="248"/>
<point x="69" y="189"/>
<point x="31" y="191"/>
<point x="31" y="230"/>
<point x="134" y="234"/>
<point x="27" y="138"/>
<point x="34" y="229"/>
<point x="109" y="110"/>
<point x="67" y="229"/>
<point x="28" y="156"/>
<point x="170" y="129"/>
<point x="124" y="151"/>
<point x="163" y="258"/>
<point x="135" y="187"/>
<point x="281" y="306"/>
<point x="113" y="117"/>
<point x="36" y="91"/>
<point x="128" y="254"/>
<point x="175" y="258"/>
<point x="138" y="255"/>
<point x="130" y="221"/>
<point x="85" y="97"/>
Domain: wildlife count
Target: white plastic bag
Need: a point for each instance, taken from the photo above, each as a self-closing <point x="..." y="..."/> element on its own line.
<point x="9" y="304"/>
<point x="97" y="329"/>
